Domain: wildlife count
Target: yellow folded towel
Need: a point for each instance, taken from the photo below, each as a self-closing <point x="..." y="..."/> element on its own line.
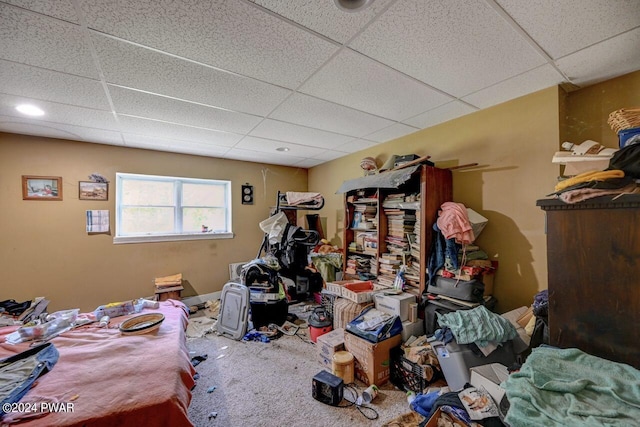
<point x="589" y="176"/>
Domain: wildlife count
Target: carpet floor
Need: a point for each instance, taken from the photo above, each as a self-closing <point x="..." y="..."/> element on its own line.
<point x="251" y="383"/>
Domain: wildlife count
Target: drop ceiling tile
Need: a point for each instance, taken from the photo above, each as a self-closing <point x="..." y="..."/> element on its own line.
<point x="392" y="132"/>
<point x="324" y="17"/>
<point x="137" y="67"/>
<point x="61" y="9"/>
<point x="157" y="129"/>
<point x="562" y="27"/>
<point x="173" y="145"/>
<point x="59" y="113"/>
<point x="353" y="80"/>
<point x="611" y="58"/>
<point x="356" y="145"/>
<point x="141" y="104"/>
<point x="26" y="126"/>
<point x="261" y="157"/>
<point x="316" y="113"/>
<point x="38" y="83"/>
<point x="529" y="82"/>
<point x="309" y="163"/>
<point x="274" y="129"/>
<point x="269" y="146"/>
<point x="33" y="39"/>
<point x="452" y="45"/>
<point x="441" y="114"/>
<point x="330" y="155"/>
<point x="232" y="35"/>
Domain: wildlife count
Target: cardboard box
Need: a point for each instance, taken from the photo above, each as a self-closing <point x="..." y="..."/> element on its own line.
<point x="327" y="344"/>
<point x="397" y="305"/>
<point x="327" y="363"/>
<point x="490" y="377"/>
<point x="372" y="361"/>
<point x="433" y="421"/>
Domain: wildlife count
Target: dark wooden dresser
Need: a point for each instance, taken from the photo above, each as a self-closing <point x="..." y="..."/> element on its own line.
<point x="593" y="256"/>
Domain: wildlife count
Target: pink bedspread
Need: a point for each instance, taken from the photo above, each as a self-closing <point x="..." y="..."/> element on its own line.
<point x="112" y="379"/>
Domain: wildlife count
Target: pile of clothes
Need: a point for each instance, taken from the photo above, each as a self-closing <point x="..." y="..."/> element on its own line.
<point x="619" y="178"/>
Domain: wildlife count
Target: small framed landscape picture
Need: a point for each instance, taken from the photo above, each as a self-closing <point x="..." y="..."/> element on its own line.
<point x="90" y="190"/>
<point x="41" y="187"/>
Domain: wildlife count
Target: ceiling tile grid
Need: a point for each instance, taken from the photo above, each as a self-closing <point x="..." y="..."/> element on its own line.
<point x="152" y="106"/>
<point x="356" y="81"/>
<point x="61" y="9"/>
<point x="239" y="79"/>
<point x="21" y="125"/>
<point x="228" y="34"/>
<point x="133" y="66"/>
<point x="422" y="38"/>
<point x="46" y="85"/>
<point x="324" y="17"/>
<point x="61" y="113"/>
<point x="33" y="39"/>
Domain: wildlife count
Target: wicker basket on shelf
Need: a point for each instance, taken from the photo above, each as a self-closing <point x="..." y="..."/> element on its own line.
<point x="625" y="118"/>
<point x="344" y="311"/>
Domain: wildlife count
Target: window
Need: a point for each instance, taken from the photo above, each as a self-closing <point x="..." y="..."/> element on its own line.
<point x="162" y="208"/>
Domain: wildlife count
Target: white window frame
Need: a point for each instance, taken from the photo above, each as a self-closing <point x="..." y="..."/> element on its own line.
<point x="177" y="236"/>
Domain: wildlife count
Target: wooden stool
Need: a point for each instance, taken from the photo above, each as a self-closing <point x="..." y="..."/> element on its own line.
<point x="169" y="293"/>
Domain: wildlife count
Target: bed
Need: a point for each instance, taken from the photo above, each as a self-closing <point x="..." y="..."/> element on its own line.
<point x="108" y="379"/>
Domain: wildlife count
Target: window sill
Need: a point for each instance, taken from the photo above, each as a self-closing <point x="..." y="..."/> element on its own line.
<point x="170" y="238"/>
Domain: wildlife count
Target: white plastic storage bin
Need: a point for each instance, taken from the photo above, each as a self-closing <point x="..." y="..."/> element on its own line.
<point x="456" y="360"/>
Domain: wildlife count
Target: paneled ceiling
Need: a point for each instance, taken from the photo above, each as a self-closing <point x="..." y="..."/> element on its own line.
<point x="247" y="79"/>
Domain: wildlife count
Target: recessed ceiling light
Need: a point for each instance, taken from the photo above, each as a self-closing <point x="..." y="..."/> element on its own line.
<point x="30" y="110"/>
<point x="352" y="5"/>
<point x="282" y="149"/>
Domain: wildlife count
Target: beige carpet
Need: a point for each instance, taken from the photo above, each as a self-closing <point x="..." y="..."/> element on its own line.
<point x="269" y="384"/>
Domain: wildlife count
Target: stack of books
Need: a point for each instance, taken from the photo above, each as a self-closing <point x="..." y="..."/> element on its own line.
<point x="364" y="217"/>
<point x="171" y="283"/>
<point x="389" y="265"/>
<point x="357" y="265"/>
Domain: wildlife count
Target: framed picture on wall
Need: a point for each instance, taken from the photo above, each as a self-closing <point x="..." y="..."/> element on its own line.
<point x="41" y="187"/>
<point x="90" y="190"/>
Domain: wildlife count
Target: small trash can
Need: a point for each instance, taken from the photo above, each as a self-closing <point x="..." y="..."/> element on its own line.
<point x="342" y="366"/>
<point x="319" y="323"/>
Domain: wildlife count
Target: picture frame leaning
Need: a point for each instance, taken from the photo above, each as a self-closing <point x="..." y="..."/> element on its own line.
<point x="41" y="188"/>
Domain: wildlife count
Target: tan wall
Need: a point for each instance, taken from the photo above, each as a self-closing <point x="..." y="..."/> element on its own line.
<point x="45" y="250"/>
<point x="513" y="144"/>
<point x="588" y="109"/>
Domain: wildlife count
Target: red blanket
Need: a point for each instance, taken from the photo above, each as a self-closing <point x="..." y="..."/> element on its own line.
<point x="104" y="378"/>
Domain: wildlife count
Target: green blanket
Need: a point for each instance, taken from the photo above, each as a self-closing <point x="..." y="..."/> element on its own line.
<point x="567" y="387"/>
<point x="478" y="325"/>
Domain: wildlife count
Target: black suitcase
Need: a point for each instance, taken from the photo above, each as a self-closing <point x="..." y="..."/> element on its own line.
<point x="466" y="290"/>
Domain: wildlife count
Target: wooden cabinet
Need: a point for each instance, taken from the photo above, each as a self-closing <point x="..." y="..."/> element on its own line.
<point x="593" y="256"/>
<point x="431" y="187"/>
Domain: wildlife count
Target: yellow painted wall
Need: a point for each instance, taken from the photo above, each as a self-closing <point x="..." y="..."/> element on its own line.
<point x="45" y="250"/>
<point x="588" y="109"/>
<point x="513" y="144"/>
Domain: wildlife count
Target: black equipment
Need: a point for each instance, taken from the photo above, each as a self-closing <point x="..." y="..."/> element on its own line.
<point x="327" y="388"/>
